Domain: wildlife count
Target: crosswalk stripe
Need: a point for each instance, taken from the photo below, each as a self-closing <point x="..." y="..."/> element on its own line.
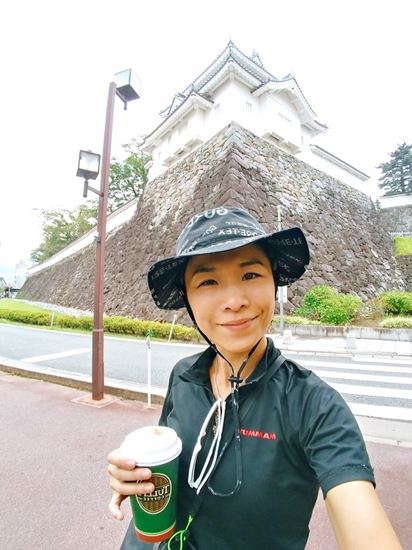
<point x="55" y="355"/>
<point x="372" y="391"/>
<point x="312" y="366"/>
<point x="381" y="411"/>
<point x="364" y="377"/>
<point x="388" y="360"/>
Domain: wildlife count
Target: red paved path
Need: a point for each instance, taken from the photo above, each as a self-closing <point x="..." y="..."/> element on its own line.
<point x="54" y="490"/>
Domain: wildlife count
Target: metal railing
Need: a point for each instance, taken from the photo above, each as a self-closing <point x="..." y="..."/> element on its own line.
<point x="400" y="233"/>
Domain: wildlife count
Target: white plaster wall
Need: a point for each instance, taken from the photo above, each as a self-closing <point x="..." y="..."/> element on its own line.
<point x="328" y="166"/>
<point x="397" y="200"/>
<point x="231" y="98"/>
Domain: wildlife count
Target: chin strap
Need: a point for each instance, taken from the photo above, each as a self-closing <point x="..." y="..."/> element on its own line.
<point x="237" y="380"/>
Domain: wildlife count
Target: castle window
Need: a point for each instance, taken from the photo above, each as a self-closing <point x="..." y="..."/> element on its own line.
<point x="217" y="109"/>
<point x="248" y="107"/>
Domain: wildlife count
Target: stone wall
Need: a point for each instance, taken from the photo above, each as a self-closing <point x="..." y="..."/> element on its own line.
<point x="405" y="264"/>
<point x="350" y="248"/>
<point x="397" y="219"/>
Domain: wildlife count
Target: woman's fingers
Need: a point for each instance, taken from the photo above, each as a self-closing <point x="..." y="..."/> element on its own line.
<point x="114" y="506"/>
<point x="126" y="479"/>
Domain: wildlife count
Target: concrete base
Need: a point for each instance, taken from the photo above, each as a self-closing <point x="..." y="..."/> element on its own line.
<point x="386" y="431"/>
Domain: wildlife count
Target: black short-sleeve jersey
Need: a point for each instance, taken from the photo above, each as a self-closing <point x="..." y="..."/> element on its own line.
<point x="298" y="435"/>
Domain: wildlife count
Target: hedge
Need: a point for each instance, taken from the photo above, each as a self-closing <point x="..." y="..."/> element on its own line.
<point x="116" y="325"/>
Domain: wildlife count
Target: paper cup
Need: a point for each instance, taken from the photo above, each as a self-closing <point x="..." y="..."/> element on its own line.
<point x="157" y="448"/>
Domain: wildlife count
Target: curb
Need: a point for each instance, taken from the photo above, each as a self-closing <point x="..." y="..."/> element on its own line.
<point x="117" y="388"/>
<point x="364" y="333"/>
<point x="336" y="351"/>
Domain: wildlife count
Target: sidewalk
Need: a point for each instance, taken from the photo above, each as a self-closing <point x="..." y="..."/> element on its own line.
<point x="342" y="345"/>
<point x="55" y="491"/>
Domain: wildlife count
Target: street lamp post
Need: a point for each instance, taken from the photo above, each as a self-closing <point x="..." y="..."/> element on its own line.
<point x="127" y="86"/>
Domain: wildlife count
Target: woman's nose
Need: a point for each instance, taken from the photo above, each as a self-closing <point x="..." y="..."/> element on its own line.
<point x="233" y="298"/>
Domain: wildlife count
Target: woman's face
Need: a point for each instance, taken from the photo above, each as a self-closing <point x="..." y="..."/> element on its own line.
<point x="232" y="296"/>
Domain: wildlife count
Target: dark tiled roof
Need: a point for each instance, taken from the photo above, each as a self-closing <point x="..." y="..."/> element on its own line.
<point x="251" y="65"/>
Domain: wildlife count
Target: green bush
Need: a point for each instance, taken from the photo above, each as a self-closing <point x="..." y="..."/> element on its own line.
<point x="397" y="302"/>
<point x="339" y="310"/>
<point x="313" y="300"/>
<point x="323" y="303"/>
<point x="396" y="322"/>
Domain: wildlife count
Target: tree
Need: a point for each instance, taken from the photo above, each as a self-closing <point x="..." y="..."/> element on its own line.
<point x="61" y="227"/>
<point x="128" y="177"/>
<point x="397" y="173"/>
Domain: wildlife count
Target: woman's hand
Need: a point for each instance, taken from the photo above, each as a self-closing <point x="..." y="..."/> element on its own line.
<point x="125" y="480"/>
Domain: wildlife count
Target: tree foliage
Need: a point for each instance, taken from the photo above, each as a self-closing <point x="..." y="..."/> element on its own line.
<point x="61" y="227"/>
<point x="396" y="176"/>
<point x="127" y="177"/>
<point x="126" y="182"/>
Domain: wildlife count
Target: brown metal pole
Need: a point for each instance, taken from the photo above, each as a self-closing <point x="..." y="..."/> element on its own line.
<point x="98" y="340"/>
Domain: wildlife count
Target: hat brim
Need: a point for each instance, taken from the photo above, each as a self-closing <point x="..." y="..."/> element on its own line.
<point x="288" y="247"/>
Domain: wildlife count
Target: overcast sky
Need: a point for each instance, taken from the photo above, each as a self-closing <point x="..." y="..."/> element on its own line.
<point x="351" y="60"/>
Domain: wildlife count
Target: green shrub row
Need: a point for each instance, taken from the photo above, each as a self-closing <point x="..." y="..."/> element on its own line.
<point x="323" y="303"/>
<point x="116" y="325"/>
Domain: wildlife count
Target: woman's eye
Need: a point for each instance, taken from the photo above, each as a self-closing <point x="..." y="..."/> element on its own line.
<point x="208" y="282"/>
<point x="251" y="275"/>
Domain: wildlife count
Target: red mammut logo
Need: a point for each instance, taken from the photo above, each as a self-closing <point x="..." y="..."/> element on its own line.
<point x="256" y="433"/>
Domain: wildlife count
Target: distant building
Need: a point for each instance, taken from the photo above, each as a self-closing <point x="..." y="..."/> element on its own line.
<point x="21" y="272"/>
<point x="235" y="87"/>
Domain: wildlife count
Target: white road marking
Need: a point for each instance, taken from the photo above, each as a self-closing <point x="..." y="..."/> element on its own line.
<point x="383" y="360"/>
<point x="364" y="377"/>
<point x="55" y="355"/>
<point x="377" y="392"/>
<point x="312" y="365"/>
<point x="379" y="411"/>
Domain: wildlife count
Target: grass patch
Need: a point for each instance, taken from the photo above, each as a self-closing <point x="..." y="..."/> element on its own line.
<point x="403" y="246"/>
<point x="15" y="305"/>
<point x="396" y="322"/>
<point x="294" y="320"/>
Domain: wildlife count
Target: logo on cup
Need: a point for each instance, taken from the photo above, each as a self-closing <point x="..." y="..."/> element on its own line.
<point x="155" y="502"/>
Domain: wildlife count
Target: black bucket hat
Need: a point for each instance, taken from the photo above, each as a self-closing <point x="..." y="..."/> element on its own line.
<point x="218" y="230"/>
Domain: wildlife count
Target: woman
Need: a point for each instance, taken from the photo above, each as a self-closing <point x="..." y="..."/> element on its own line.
<point x="276" y="431"/>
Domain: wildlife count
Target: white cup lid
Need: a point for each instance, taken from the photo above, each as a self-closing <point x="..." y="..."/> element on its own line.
<point x="152" y="445"/>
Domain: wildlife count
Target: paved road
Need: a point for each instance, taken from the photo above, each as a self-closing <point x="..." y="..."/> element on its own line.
<point x="125" y="359"/>
<point x="379" y="387"/>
